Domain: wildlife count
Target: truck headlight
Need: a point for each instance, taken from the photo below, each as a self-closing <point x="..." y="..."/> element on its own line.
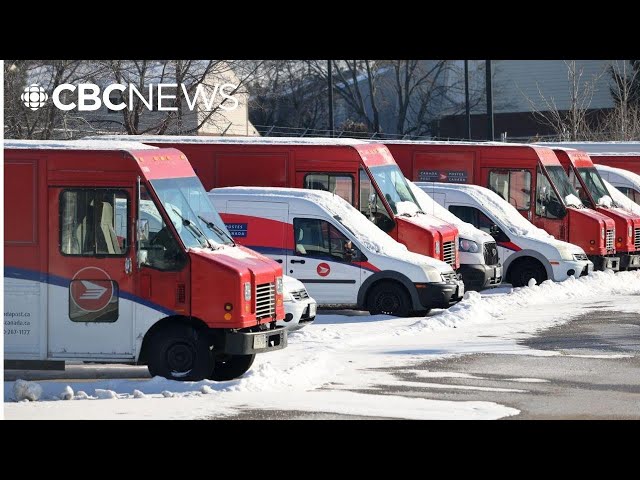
<point x="247" y="291"/>
<point x="437" y="247"/>
<point x="630" y="231"/>
<point x="602" y="233"/>
<point x="279" y="287"/>
<point x="468" y="246"/>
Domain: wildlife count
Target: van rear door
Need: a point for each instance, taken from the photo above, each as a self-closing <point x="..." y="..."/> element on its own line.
<point x="320" y="261"/>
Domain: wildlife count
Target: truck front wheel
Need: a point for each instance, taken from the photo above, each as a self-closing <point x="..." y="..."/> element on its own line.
<point x="228" y="367"/>
<point x="180" y="352"/>
<point x="389" y="298"/>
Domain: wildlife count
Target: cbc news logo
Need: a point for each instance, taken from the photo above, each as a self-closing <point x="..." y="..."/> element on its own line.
<point x="34" y="97"/>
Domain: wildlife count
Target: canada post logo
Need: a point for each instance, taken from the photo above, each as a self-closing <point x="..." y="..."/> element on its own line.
<point x="157" y="96"/>
<point x="91" y="289"/>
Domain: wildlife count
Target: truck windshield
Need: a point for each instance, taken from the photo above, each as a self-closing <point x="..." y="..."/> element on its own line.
<point x="594" y="184"/>
<point x="191" y="212"/>
<point x="395" y="189"/>
<point x="559" y="178"/>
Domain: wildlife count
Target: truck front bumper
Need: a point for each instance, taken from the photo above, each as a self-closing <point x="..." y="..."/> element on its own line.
<point x="601" y="262"/>
<point x="440" y="294"/>
<point x="248" y="343"/>
<point x="479" y="276"/>
<point x="629" y="261"/>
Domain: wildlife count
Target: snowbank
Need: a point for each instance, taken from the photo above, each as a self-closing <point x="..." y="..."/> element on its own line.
<point x="23" y="390"/>
<point x="621" y="199"/>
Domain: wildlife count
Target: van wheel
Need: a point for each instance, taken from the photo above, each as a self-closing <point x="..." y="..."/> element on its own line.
<point x="525" y="270"/>
<point x="390" y="299"/>
<point x="229" y="367"/>
<point x="180" y="352"/>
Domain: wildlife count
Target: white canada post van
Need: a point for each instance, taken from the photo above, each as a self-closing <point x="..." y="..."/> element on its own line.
<point x="479" y="260"/>
<point x="340" y="256"/>
<point x="624" y="180"/>
<point x="525" y="250"/>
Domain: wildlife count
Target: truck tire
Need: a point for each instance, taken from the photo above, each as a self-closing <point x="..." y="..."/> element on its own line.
<point x="180" y="352"/>
<point x="389" y="298"/>
<point x="229" y="367"/>
<point x="526" y="269"/>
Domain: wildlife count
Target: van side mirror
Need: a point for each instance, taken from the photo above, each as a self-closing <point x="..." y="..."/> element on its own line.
<point x="143" y="230"/>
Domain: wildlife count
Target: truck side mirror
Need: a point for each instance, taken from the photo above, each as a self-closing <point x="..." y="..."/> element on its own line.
<point x="143" y="230"/>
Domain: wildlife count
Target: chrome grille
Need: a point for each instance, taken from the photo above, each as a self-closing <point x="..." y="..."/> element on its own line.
<point x="300" y="294"/>
<point x="637" y="239"/>
<point x="449" y="253"/>
<point x="490" y="253"/>
<point x="609" y="239"/>
<point x="266" y="300"/>
<point x="580" y="256"/>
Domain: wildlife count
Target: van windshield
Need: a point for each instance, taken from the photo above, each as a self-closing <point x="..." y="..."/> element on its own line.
<point x="191" y="212"/>
<point x="395" y="189"/>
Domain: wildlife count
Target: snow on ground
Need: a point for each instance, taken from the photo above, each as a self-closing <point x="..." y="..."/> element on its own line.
<point x="326" y="361"/>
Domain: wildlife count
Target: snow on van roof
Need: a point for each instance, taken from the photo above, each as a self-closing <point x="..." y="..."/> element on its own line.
<point x="621" y="199"/>
<point x="430" y="206"/>
<point x="234" y="140"/>
<point x="615" y="154"/>
<point x="75" y="145"/>
<point x="498" y="208"/>
<point x="365" y="231"/>
<point x="598" y="148"/>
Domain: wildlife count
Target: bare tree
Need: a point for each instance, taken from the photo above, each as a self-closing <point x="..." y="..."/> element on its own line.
<point x="623" y="121"/>
<point x="572" y="123"/>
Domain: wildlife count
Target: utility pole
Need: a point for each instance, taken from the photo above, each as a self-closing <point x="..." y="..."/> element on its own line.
<point x="489" y="101"/>
<point x="467" y="106"/>
<point x="330" y="87"/>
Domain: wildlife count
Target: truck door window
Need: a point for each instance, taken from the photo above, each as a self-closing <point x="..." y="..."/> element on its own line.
<point x="512" y="185"/>
<point x="319" y="238"/>
<point x="548" y="205"/>
<point x="371" y="205"/>
<point x="575" y="183"/>
<point x="94" y="222"/>
<point x="161" y="250"/>
<point x="341" y="185"/>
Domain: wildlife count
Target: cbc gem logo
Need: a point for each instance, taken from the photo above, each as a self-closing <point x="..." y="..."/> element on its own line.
<point x="34" y="97"/>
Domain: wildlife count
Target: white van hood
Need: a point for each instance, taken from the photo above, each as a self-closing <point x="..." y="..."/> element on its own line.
<point x="292" y="284"/>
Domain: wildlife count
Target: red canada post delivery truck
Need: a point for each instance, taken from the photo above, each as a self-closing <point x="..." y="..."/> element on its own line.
<point x="594" y="194"/>
<point x="114" y="253"/>
<point x="362" y="173"/>
<point x="529" y="177"/>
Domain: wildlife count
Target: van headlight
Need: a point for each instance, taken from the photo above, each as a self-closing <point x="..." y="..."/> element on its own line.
<point x="433" y="275"/>
<point x="565" y="254"/>
<point x="468" y="246"/>
<point x="279" y="287"/>
<point x="247" y="291"/>
<point x="287" y="296"/>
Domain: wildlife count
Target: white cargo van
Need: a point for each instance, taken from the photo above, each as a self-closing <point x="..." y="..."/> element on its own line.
<point x="340" y="256"/>
<point x="479" y="260"/>
<point x="624" y="180"/>
<point x="525" y="250"/>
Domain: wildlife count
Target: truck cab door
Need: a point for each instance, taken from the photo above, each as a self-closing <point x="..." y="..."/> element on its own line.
<point x="322" y="259"/>
<point x="91" y="263"/>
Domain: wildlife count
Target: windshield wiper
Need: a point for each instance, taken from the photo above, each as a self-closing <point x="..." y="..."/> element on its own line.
<point x="217" y="229"/>
<point x="194" y="230"/>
